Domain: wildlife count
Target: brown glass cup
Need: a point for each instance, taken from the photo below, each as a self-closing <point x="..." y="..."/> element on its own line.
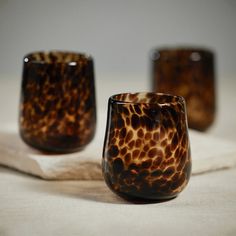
<point x="146" y="154"/>
<point x="187" y="72"/>
<point x="57" y="106"/>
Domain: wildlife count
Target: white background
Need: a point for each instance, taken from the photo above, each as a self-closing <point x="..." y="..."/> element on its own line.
<point x="118" y="34"/>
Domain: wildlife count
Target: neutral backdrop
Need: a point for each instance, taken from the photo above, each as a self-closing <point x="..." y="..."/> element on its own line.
<point x="118" y="34"/>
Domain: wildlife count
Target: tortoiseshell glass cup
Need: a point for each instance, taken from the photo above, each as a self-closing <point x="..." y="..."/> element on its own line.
<point x="146" y="154"/>
<point x="57" y="106"/>
<point x="188" y="72"/>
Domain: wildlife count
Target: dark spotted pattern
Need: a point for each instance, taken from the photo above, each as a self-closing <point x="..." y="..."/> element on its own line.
<point x="188" y="73"/>
<point x="146" y="151"/>
<point x="57" y="109"/>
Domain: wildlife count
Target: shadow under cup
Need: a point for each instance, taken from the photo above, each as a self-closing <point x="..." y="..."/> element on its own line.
<point x="187" y="72"/>
<point x="146" y="153"/>
<point x="57" y="106"/>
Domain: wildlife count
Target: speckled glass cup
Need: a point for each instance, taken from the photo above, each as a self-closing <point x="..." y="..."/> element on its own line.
<point x="146" y="154"/>
<point x="57" y="105"/>
<point x="188" y="72"/>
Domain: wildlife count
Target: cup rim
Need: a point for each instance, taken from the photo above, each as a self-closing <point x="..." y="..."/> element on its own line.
<point x="27" y="58"/>
<point x="184" y="48"/>
<point x="179" y="99"/>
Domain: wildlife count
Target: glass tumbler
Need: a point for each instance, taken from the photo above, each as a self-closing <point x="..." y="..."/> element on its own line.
<point x="57" y="105"/>
<point x="146" y="154"/>
<point x="188" y="72"/>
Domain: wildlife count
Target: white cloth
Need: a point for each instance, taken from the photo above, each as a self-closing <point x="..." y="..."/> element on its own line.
<point x="208" y="154"/>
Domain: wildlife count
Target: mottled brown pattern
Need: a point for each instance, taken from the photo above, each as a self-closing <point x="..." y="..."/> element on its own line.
<point x="146" y="151"/>
<point x="188" y="73"/>
<point x="57" y="108"/>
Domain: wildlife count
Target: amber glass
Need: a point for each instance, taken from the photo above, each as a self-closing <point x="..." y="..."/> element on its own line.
<point x="188" y="72"/>
<point x="57" y="106"/>
<point x="146" y="154"/>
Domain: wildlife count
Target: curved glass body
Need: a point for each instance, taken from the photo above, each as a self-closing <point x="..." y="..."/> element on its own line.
<point x="57" y="106"/>
<point x="146" y="151"/>
<point x="187" y="72"/>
